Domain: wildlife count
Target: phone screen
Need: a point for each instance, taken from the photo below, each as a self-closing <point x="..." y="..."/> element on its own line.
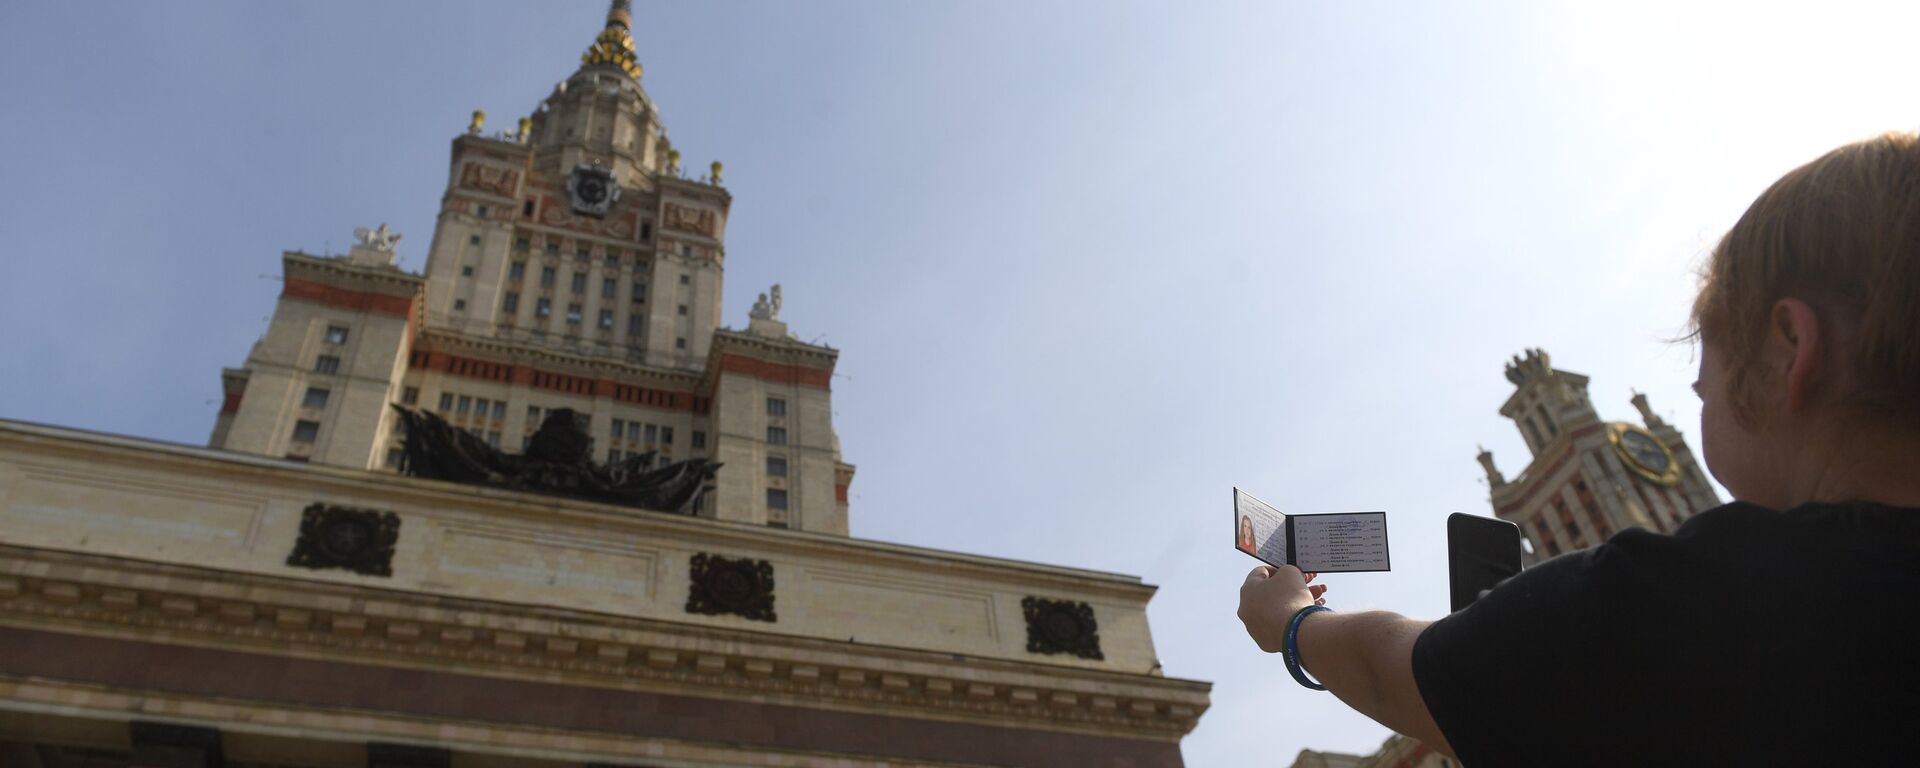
<point x="1481" y="553"/>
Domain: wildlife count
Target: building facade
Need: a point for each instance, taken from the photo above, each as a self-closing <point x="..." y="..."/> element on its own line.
<point x="574" y="264"/>
<point x="1589" y="479"/>
<point x="285" y="599"/>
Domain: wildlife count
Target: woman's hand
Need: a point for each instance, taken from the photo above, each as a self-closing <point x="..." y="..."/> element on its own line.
<point x="1269" y="599"/>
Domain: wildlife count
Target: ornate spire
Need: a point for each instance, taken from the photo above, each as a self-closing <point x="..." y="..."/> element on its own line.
<point x="614" y="45"/>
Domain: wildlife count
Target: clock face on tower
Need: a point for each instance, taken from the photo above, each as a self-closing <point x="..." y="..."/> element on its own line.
<point x="592" y="190"/>
<point x="1643" y="453"/>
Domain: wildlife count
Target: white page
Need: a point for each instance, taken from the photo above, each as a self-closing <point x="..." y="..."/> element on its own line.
<point x="1342" y="542"/>
<point x="1267" y="525"/>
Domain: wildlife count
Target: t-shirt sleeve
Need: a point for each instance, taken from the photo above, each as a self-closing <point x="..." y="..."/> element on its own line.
<point x="1510" y="677"/>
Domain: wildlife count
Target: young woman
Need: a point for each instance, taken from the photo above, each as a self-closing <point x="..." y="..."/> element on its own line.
<point x="1770" y="631"/>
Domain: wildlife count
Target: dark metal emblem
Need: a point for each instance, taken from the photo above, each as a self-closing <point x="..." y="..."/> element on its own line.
<point x="724" y="585"/>
<point x="1061" y="626"/>
<point x="359" y="540"/>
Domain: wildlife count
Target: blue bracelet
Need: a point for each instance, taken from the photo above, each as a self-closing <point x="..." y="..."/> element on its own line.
<point x="1290" y="649"/>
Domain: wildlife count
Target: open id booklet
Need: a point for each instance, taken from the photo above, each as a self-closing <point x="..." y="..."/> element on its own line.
<point x="1345" y="542"/>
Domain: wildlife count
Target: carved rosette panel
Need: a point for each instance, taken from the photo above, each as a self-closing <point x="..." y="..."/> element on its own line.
<point x="725" y="585"/>
<point x="1061" y="626"/>
<point x="359" y="540"/>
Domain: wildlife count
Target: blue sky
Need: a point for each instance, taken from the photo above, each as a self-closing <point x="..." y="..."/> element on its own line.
<point x="1089" y="263"/>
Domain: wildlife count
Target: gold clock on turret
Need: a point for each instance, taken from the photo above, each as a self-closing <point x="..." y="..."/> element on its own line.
<point x="1643" y="453"/>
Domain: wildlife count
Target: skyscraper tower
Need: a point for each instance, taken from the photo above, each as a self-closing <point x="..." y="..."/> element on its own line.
<point x="1589" y="479"/>
<point x="574" y="264"/>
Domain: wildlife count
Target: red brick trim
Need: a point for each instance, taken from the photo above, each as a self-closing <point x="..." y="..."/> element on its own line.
<point x="1540" y="478"/>
<point x="343" y="298"/>
<point x="454" y="365"/>
<point x="776" y="372"/>
<point x="142" y="666"/>
<point x="840" y="492"/>
<point x="231" y="404"/>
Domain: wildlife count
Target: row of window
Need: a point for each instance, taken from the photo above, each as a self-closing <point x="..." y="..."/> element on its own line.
<point x="582" y="251"/>
<point x="549" y="277"/>
<point x="543" y="308"/>
<point x="640" y="432"/>
<point x="459" y="406"/>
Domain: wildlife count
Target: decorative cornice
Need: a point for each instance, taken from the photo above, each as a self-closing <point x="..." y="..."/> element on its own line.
<point x="183" y="604"/>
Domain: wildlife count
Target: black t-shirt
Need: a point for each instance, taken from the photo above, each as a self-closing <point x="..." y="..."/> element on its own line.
<point x="1747" y="637"/>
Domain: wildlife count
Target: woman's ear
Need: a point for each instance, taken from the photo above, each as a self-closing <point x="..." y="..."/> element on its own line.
<point x="1795" y="351"/>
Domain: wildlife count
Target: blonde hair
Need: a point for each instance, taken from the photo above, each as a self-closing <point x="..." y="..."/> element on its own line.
<point x="1841" y="233"/>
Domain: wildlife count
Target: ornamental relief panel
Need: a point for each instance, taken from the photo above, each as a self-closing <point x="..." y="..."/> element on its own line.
<point x="499" y="181"/>
<point x="699" y="221"/>
<point x="358" y="540"/>
<point x="555" y="213"/>
<point x="1061" y="626"/>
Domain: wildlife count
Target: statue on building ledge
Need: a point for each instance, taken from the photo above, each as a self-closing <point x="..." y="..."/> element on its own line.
<point x="558" y="462"/>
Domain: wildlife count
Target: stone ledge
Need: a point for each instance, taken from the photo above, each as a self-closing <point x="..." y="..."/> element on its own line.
<point x="588" y="649"/>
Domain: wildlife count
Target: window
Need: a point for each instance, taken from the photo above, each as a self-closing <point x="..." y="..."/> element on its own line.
<point x="684" y="280"/>
<point x="316" y="398"/>
<point x="446" y="401"/>
<point x="653" y="434"/>
<point x="619" y="428"/>
<point x="305" y="431"/>
<point x="584" y="252"/>
<point x="326" y="364"/>
<point x="481" y="211"/>
<point x="680" y="343"/>
<point x="533" y="415"/>
<point x="687" y="251"/>
<point x="613" y="455"/>
<point x="606" y="319"/>
<point x="393" y="458"/>
<point x="517" y="272"/>
<point x="776" y="466"/>
<point x="639" y="293"/>
<point x="480" y="407"/>
<point x="777" y="435"/>
<point x="527" y="209"/>
<point x="542" y="307"/>
<point x="776" y="407"/>
<point x="410" y="396"/>
<point x="459" y="305"/>
<point x="336" y="334"/>
<point x="296" y="459"/>
<point x="683" y="310"/>
<point x="499" y="411"/>
<point x="466" y="271"/>
<point x="462" y="406"/>
<point x="608" y="287"/>
<point x="613" y="259"/>
<point x="511" y="303"/>
<point x="547" y="276"/>
<point x="776" y="498"/>
<point x="522" y="244"/>
<point x="666" y="435"/>
<point x="553" y="247"/>
<point x="579" y="282"/>
<point x="573" y="313"/>
<point x="699" y="439"/>
<point x="493" y="439"/>
<point x="634" y="324"/>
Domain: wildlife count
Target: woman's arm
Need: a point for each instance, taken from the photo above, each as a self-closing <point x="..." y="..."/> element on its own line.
<point x="1366" y="659"/>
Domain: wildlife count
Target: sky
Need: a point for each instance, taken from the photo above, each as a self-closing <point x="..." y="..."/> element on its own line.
<point x="1089" y="264"/>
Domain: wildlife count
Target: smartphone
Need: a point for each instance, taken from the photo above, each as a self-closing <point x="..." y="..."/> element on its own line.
<point x="1481" y="553"/>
